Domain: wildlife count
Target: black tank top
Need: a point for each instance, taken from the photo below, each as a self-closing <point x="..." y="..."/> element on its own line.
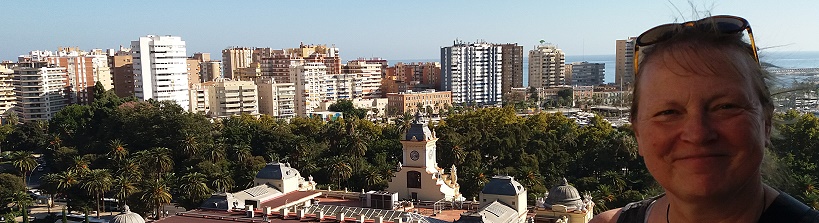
<point x="783" y="209"/>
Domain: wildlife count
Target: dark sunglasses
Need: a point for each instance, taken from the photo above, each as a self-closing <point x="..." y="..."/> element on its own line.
<point x="725" y="24"/>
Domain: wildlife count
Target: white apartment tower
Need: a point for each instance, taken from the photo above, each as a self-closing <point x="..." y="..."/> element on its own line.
<point x="311" y="80"/>
<point x="7" y="97"/>
<point x="40" y="89"/>
<point x="624" y="64"/>
<point x="367" y="82"/>
<point x="276" y="99"/>
<point x="547" y="67"/>
<point x="472" y="71"/>
<point x="160" y="69"/>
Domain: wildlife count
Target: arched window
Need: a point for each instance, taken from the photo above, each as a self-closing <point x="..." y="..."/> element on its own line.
<point x="413" y="179"/>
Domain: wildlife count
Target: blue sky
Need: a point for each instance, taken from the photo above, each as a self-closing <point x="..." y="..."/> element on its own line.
<point x="389" y="29"/>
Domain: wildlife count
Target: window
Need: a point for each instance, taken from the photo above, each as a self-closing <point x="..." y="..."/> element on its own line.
<point x="413" y="179"/>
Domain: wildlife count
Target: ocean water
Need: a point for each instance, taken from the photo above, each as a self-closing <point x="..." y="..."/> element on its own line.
<point x="784" y="59"/>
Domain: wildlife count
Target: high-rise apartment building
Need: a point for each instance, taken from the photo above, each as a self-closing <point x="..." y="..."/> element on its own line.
<point x="84" y="70"/>
<point x="236" y="58"/>
<point x="311" y="80"/>
<point x="122" y="70"/>
<point x="472" y="72"/>
<point x="366" y="78"/>
<point x="276" y="99"/>
<point x="7" y="98"/>
<point x="210" y="70"/>
<point x="40" y="89"/>
<point x="224" y="98"/>
<point x="546" y="67"/>
<point x="160" y="70"/>
<point x="624" y="63"/>
<point x="512" y="67"/>
<point x="587" y="74"/>
<point x="194" y="70"/>
<point x="412" y="76"/>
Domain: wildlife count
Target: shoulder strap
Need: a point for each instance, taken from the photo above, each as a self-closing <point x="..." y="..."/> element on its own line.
<point x="635" y="212"/>
<point x="787" y="209"/>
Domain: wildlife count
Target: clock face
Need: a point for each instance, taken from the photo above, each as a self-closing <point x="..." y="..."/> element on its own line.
<point x="414" y="155"/>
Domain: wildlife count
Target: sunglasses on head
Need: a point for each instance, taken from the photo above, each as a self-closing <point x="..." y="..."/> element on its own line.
<point x="724" y="24"/>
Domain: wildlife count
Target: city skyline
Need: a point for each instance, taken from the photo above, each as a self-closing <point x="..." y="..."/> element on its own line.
<point x="393" y="30"/>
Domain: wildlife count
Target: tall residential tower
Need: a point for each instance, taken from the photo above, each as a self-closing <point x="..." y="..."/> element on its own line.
<point x="547" y="67"/>
<point x="472" y="71"/>
<point x="624" y="67"/>
<point x="160" y="69"/>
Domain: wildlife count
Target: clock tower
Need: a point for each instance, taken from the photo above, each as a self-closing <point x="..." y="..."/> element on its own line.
<point x="418" y="176"/>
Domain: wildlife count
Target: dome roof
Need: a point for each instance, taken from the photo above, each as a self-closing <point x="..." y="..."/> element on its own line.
<point x="419" y="130"/>
<point x="277" y="171"/>
<point x="127" y="217"/>
<point x="503" y="185"/>
<point x="564" y="194"/>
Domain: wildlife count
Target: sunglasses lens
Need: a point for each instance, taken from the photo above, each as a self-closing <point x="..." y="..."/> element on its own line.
<point x="657" y="34"/>
<point x="725" y="24"/>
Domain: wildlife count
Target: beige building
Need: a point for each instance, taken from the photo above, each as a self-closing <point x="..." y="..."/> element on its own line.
<point x="7" y="98"/>
<point x="512" y="67"/>
<point x="404" y="102"/>
<point x="40" y="89"/>
<point x="367" y="78"/>
<point x="624" y="62"/>
<point x="224" y="98"/>
<point x="235" y="58"/>
<point x="194" y="70"/>
<point x="547" y="66"/>
<point x="311" y="86"/>
<point x="418" y="176"/>
<point x="276" y="99"/>
<point x="250" y="73"/>
<point x="122" y="70"/>
<point x="211" y="70"/>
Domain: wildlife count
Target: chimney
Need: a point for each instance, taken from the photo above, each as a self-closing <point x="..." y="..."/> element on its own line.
<point x="320" y="215"/>
<point x="340" y="217"/>
<point x="284" y="212"/>
<point x="379" y="219"/>
<point x="300" y="213"/>
<point x="249" y="211"/>
<point x="361" y="218"/>
<point x="268" y="210"/>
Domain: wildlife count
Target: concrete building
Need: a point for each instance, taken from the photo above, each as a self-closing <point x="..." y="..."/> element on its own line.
<point x="200" y="98"/>
<point x="210" y="70"/>
<point x="276" y="99"/>
<point x="563" y="203"/>
<point x="236" y="58"/>
<point x="472" y="72"/>
<point x="194" y="71"/>
<point x="160" y="70"/>
<point x="546" y="66"/>
<point x="102" y="71"/>
<point x="367" y="78"/>
<point x="122" y="71"/>
<point x="7" y="98"/>
<point x="512" y="67"/>
<point x="404" y="102"/>
<point x="587" y="74"/>
<point x="40" y="89"/>
<point x="80" y="74"/>
<point x="311" y="80"/>
<point x="412" y="76"/>
<point x="227" y="98"/>
<point x="418" y="176"/>
<point x="624" y="62"/>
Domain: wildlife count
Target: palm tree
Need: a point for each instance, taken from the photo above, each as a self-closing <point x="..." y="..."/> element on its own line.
<point x="194" y="186"/>
<point x="24" y="161"/>
<point x="118" y="151"/>
<point x="222" y="182"/>
<point x="190" y="146"/>
<point x="96" y="183"/>
<point x="156" y="193"/>
<point x="130" y="168"/>
<point x="123" y="186"/>
<point x="157" y="160"/>
<point x="80" y="165"/>
<point x="341" y="172"/>
<point x="21" y="199"/>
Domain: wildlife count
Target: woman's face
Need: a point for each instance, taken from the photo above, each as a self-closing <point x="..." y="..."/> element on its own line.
<point x="700" y="131"/>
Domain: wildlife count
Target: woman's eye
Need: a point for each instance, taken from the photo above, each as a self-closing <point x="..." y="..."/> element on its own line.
<point x="666" y="112"/>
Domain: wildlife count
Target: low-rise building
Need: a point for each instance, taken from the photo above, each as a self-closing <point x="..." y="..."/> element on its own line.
<point x="411" y="101"/>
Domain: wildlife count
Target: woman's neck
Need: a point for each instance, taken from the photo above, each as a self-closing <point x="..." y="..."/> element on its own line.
<point x="744" y="205"/>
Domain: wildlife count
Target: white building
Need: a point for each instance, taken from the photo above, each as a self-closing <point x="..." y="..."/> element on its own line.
<point x="311" y="83"/>
<point x="7" y="98"/>
<point x="40" y="89"/>
<point x="276" y="99"/>
<point x="224" y="98"/>
<point x="160" y="69"/>
<point x="367" y="78"/>
<point x="624" y="66"/>
<point x="472" y="71"/>
<point x="547" y="67"/>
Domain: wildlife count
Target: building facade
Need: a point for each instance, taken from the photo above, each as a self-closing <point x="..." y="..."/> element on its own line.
<point x="311" y="83"/>
<point x="276" y="99"/>
<point x="472" y="72"/>
<point x="409" y="101"/>
<point x="122" y="71"/>
<point x="624" y="62"/>
<point x="236" y="58"/>
<point x="587" y="74"/>
<point x="512" y="66"/>
<point x="7" y="98"/>
<point x="546" y="66"/>
<point x="40" y="89"/>
<point x="160" y="70"/>
<point x="367" y="78"/>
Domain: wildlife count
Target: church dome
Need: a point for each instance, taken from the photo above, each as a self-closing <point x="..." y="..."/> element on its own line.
<point x="564" y="194"/>
<point x="127" y="217"/>
<point x="277" y="171"/>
